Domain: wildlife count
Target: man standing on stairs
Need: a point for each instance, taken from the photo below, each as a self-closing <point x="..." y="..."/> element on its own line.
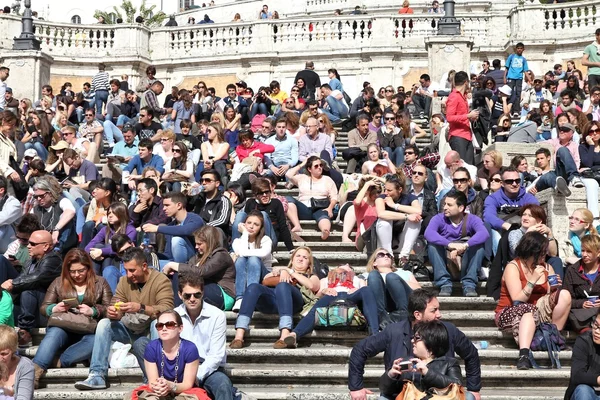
<point x="358" y="140"/>
<point x="206" y="326"/>
<point x="460" y="136"/>
<point x="396" y="342"/>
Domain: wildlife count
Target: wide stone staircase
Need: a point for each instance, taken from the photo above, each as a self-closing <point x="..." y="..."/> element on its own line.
<point x="318" y="368"/>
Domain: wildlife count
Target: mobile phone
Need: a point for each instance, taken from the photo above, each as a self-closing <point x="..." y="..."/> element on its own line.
<point x="71" y="303"/>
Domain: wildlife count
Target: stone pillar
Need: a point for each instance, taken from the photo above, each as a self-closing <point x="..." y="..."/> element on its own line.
<point x="27" y="40"/>
<point x="446" y="53"/>
<point x="29" y="71"/>
<point x="448" y="24"/>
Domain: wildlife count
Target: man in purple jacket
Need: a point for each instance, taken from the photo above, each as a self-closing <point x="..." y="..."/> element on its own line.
<point x="463" y="236"/>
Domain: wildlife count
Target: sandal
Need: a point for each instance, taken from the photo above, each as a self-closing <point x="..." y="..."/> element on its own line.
<point x="280" y="344"/>
<point x="290" y="341"/>
<point x="236" y="344"/>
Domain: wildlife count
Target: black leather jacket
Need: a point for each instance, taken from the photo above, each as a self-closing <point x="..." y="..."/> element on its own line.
<point x="38" y="274"/>
<point x="441" y="373"/>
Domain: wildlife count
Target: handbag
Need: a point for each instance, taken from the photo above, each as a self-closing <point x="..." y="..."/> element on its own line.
<point x="591" y="173"/>
<point x="317" y="204"/>
<point x="452" y="392"/>
<point x="137" y="323"/>
<point x="73" y="322"/>
<point x="21" y="188"/>
<point x="339" y="314"/>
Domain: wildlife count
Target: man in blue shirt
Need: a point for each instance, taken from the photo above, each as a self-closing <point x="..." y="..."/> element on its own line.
<point x="285" y="155"/>
<point x="121" y="155"/>
<point x="179" y="233"/>
<point x="144" y="159"/>
<point x="516" y="65"/>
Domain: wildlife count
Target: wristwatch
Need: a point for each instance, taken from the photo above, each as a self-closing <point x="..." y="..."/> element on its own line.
<point x="142" y="308"/>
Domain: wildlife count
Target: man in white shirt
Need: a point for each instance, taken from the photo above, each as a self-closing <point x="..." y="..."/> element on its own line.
<point x="445" y="171"/>
<point x="4" y="73"/>
<point x="591" y="105"/>
<point x="206" y="326"/>
<point x="423" y="95"/>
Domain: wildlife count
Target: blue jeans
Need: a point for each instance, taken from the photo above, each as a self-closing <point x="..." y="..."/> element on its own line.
<point x="240" y="218"/>
<point x="546" y="181"/>
<point x="112" y="275"/>
<point x="258" y="108"/>
<point x="565" y="165"/>
<point x="78" y="348"/>
<point x="390" y="295"/>
<point x="284" y="299"/>
<point x="39" y="148"/>
<point x="123" y="119"/>
<point x="108" y="331"/>
<point x="27" y="309"/>
<point x="584" y="392"/>
<point x="306" y="213"/>
<point x="396" y="155"/>
<point x="337" y="108"/>
<point x="181" y="249"/>
<point x="111" y="132"/>
<point x="80" y="114"/>
<point x="516" y="85"/>
<point x="218" y="385"/>
<point x="248" y="270"/>
<point x="100" y="98"/>
<point x="471" y="261"/>
<point x="363" y="297"/>
<point x="491" y="245"/>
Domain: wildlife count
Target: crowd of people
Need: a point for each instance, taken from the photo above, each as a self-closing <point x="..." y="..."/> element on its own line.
<point x="127" y="219"/>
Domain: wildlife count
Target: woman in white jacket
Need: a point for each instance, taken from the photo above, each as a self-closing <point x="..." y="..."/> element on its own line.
<point x="253" y="255"/>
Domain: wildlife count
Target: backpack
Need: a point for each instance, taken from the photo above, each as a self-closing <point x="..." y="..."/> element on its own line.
<point x="339" y="314"/>
<point x="547" y="338"/>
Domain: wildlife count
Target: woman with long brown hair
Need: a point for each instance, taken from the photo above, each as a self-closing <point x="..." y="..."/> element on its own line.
<point x="78" y="287"/>
<point x="180" y="169"/>
<point x="182" y="109"/>
<point x="99" y="248"/>
<point x="214" y="152"/>
<point x="38" y="134"/>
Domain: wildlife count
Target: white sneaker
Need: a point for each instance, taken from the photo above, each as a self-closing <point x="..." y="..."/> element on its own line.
<point x="576" y="182"/>
<point x="483" y="273"/>
<point x="237" y="305"/>
<point x="561" y="186"/>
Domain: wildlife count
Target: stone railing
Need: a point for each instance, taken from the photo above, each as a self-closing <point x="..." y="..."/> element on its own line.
<point x="574" y="20"/>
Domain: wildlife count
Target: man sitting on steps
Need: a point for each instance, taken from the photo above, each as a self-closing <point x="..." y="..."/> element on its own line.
<point x="396" y="342"/>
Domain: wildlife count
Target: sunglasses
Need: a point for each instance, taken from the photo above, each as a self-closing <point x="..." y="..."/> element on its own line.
<point x="168" y="324"/>
<point x="384" y="255"/>
<point x="409" y="153"/>
<point x="460" y="180"/>
<point x="575" y="219"/>
<point x="389" y="91"/>
<point x="317" y="166"/>
<point x="207" y="180"/>
<point x="419" y="173"/>
<point x="39" y="196"/>
<point x="201" y="87"/>
<point x="594" y="131"/>
<point x="187" y="296"/>
<point x="143" y="115"/>
<point x="295" y="90"/>
<point x="390" y="119"/>
<point x="32" y="244"/>
<point x="164" y="140"/>
<point x="176" y="150"/>
<point x="265" y="193"/>
<point x="497" y="180"/>
<point x="87" y="115"/>
<point x="512" y="181"/>
<point x="22" y="239"/>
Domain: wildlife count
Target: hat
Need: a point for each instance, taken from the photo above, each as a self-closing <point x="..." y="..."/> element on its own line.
<point x="566" y="127"/>
<point x="242" y="84"/>
<point x="61" y="145"/>
<point x="505" y="90"/>
<point x="30" y="153"/>
<point x="8" y="90"/>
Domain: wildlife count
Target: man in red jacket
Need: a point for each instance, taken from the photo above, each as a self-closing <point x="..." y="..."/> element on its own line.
<point x="459" y="117"/>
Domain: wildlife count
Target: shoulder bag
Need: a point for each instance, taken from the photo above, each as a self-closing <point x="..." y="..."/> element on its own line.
<point x="339" y="314"/>
<point x="317" y="204"/>
<point x="73" y="322"/>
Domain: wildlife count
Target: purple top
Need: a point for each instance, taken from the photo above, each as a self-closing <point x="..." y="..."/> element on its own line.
<point x="100" y="239"/>
<point x="442" y="232"/>
<point x="188" y="352"/>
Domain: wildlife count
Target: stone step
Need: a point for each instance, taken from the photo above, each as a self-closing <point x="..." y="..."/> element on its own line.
<point x="297" y="392"/>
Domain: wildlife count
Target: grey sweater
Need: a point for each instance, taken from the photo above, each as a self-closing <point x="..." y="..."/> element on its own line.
<point x="24" y="380"/>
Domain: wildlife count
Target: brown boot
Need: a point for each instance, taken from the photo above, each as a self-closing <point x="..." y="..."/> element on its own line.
<point x="38" y="372"/>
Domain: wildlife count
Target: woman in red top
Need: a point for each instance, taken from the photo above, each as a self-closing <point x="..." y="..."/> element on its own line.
<point x="365" y="212"/>
<point x="526" y="297"/>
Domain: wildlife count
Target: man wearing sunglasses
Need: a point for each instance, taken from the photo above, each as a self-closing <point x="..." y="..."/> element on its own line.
<point x="591" y="105"/>
<point x="214" y="208"/>
<point x="396" y="342"/>
<point x="29" y="288"/>
<point x="412" y="160"/>
<point x="206" y="326"/>
<point x="502" y="208"/>
<point x="140" y="296"/>
<point x="464" y="183"/>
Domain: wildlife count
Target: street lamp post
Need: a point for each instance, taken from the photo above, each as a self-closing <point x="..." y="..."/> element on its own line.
<point x="448" y="24"/>
<point x="27" y="40"/>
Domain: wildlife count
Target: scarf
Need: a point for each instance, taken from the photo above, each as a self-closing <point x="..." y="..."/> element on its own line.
<point x="576" y="242"/>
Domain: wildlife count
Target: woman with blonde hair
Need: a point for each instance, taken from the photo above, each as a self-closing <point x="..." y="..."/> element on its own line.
<point x="214" y="264"/>
<point x="17" y="383"/>
<point x="219" y="119"/>
<point x="391" y="286"/>
<point x="492" y="162"/>
<point x="581" y="223"/>
<point x="164" y="148"/>
<point x="327" y="128"/>
<point x="283" y="295"/>
<point x="214" y="153"/>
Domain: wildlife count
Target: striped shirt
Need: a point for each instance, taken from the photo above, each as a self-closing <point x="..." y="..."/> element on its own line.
<point x="100" y="81"/>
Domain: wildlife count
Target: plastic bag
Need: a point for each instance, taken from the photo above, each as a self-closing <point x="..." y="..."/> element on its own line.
<point x="120" y="356"/>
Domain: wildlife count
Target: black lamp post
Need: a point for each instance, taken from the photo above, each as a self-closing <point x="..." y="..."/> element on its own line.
<point x="448" y="24"/>
<point x="27" y="40"/>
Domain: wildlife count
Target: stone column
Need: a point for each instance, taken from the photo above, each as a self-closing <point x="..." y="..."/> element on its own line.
<point x="29" y="71"/>
<point x="446" y="53"/>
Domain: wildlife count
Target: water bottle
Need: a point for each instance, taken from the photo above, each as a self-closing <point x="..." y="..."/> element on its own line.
<point x="197" y="190"/>
<point x="481" y="345"/>
<point x="146" y="243"/>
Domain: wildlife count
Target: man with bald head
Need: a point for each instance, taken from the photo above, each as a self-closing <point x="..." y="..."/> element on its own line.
<point x="445" y="170"/>
<point x="30" y="285"/>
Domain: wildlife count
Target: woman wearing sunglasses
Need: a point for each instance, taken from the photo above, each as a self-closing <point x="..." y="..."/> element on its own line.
<point x="171" y="362"/>
<point x="589" y="153"/>
<point x="179" y="169"/>
<point x="430" y="368"/>
<point x="284" y="298"/>
<point x="391" y="286"/>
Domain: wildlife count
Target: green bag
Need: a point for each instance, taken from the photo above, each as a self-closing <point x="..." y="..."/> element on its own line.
<point x="339" y="314"/>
